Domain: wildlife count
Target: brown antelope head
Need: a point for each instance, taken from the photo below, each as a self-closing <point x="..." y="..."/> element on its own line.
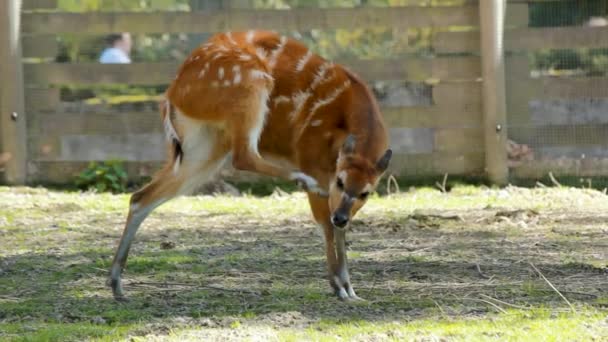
<point x="356" y="177"/>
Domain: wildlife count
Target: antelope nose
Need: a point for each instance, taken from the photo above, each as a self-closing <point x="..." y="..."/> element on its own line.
<point x="339" y="220"/>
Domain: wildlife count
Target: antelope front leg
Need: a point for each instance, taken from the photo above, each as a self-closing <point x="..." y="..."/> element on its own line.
<point x="340" y="279"/>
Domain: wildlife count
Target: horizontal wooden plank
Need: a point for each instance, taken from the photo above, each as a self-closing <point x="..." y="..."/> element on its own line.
<point x="560" y="135"/>
<point x="42" y="46"/>
<point x="437" y="163"/>
<point x="415" y="70"/>
<point x="284" y="20"/>
<point x="455" y="105"/>
<point x="93" y="73"/>
<point x="556" y="38"/>
<point x="41" y="99"/>
<point x="569" y="87"/>
<point x="456" y="42"/>
<point x="527" y="39"/>
<point x="459" y="140"/>
<point x="587" y="167"/>
<point x="94" y="123"/>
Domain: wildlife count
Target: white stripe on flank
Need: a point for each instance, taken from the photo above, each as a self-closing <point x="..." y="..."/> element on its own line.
<point x="303" y="61"/>
<point x="320" y="103"/>
<point x="323" y="102"/>
<point x="299" y="99"/>
<point x="277" y="51"/>
<point x="249" y="36"/>
<point x="320" y="74"/>
<point x="220" y="73"/>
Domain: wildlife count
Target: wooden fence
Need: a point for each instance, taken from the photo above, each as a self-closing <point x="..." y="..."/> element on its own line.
<point x="444" y="137"/>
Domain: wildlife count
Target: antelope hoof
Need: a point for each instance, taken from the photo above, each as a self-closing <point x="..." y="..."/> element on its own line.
<point x="307" y="183"/>
<point x="345" y="291"/>
<point x="117" y="291"/>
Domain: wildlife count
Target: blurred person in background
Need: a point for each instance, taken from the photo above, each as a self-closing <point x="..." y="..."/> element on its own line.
<point x="118" y="50"/>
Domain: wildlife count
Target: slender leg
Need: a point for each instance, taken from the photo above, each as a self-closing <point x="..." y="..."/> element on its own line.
<point x="246" y="129"/>
<point x="165" y="186"/>
<point x="335" y="249"/>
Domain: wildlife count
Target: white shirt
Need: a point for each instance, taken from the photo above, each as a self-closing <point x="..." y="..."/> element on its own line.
<point x="114" y="56"/>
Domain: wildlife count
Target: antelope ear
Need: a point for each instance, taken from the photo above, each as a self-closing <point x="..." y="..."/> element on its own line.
<point x="349" y="145"/>
<point x="382" y="163"/>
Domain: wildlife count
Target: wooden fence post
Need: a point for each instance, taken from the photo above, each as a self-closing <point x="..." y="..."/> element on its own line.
<point x="492" y="14"/>
<point x="13" y="139"/>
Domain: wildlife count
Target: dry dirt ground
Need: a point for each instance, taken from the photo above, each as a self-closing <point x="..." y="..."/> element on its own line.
<point x="472" y="264"/>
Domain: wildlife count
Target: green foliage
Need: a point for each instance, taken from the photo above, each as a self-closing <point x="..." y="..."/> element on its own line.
<point x="106" y="176"/>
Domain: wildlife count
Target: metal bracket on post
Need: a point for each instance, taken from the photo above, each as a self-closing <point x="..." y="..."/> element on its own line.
<point x="492" y="14"/>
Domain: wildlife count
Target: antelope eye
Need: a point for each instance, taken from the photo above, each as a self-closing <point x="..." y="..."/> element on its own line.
<point x="363" y="195"/>
<point x="340" y="184"/>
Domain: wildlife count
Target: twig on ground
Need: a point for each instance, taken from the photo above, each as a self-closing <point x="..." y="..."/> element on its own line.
<point x="553" y="180"/>
<point x="553" y="287"/>
<point x="213" y="287"/>
<point x="540" y="185"/>
<point x="487" y="302"/>
<point x="440" y="309"/>
<point x="443" y="183"/>
<point x="505" y="303"/>
<point x="481" y="273"/>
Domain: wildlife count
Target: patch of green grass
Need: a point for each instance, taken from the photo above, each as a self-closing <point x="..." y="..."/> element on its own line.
<point x="260" y="261"/>
<point x="63" y="332"/>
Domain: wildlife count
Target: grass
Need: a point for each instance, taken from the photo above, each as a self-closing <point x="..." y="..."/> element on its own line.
<point x="432" y="266"/>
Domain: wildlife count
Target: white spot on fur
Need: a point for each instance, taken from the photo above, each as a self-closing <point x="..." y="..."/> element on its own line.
<point x="220" y="73"/>
<point x="261" y="53"/>
<point x="259" y="74"/>
<point x="281" y="99"/>
<point x="327" y="135"/>
<point x="316" y="123"/>
<point x="244" y="57"/>
<point x="230" y="39"/>
<point x="226" y="83"/>
<point x="215" y="84"/>
<point x="249" y="36"/>
<point x="237" y="78"/>
<point x="217" y="55"/>
<point x="303" y="61"/>
<point x="202" y="73"/>
<point x="256" y="131"/>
